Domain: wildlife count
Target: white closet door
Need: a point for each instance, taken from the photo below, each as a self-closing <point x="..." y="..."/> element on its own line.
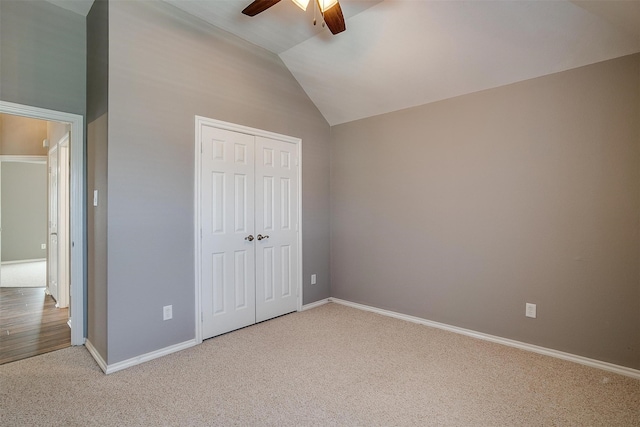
<point x="227" y="215"/>
<point x="276" y="227"/>
<point x="52" y="259"/>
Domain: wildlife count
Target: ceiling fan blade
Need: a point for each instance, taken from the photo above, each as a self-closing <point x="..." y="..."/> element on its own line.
<point x="334" y="19"/>
<point x="258" y="6"/>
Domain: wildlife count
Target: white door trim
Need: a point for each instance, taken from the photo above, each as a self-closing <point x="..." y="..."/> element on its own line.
<point x="23" y="159"/>
<point x="199" y="122"/>
<point x="77" y="209"/>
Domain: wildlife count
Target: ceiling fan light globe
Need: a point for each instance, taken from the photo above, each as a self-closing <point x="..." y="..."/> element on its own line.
<point x="326" y="4"/>
<point x="302" y="4"/>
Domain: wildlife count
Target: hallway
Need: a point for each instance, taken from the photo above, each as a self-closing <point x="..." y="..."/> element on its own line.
<point x="30" y="324"/>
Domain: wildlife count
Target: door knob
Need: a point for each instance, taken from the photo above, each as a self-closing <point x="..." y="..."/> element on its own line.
<point x="249" y="237"/>
<point x="260" y="236"/>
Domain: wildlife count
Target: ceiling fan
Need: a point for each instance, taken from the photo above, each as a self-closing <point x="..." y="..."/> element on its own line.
<point x="330" y="11"/>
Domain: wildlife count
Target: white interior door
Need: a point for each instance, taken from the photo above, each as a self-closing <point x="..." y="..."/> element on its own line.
<point x="52" y="258"/>
<point x="63" y="223"/>
<point x="227" y="233"/>
<point x="276" y="224"/>
<point x="249" y="202"/>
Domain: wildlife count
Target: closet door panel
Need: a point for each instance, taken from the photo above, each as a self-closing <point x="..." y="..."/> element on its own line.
<point x="276" y="227"/>
<point x="227" y="217"/>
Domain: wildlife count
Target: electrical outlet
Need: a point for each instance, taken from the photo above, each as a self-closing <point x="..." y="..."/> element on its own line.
<point x="43" y="246"/>
<point x="313" y="279"/>
<point x="530" y="310"/>
<point x="167" y="312"/>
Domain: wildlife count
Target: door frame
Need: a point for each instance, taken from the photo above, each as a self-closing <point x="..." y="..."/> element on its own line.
<point x="76" y="210"/>
<point x="199" y="122"/>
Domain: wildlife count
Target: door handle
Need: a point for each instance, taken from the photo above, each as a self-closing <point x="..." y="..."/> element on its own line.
<point x="260" y="236"/>
<point x="249" y="238"/>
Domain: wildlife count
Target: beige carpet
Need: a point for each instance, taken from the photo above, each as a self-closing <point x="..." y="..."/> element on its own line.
<point x="332" y="365"/>
<point x="24" y="275"/>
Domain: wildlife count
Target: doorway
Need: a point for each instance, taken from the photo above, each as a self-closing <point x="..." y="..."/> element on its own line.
<point x="76" y="211"/>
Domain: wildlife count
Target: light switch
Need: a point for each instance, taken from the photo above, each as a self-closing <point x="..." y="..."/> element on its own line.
<point x="95" y="197"/>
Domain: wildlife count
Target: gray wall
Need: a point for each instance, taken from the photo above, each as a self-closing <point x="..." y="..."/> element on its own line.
<point x="43" y="51"/>
<point x="42" y="56"/>
<point x="24" y="210"/>
<point x="461" y="211"/>
<point x="24" y="189"/>
<point x="165" y="67"/>
<point x="97" y="153"/>
<point x="22" y="136"/>
<point x="97" y="235"/>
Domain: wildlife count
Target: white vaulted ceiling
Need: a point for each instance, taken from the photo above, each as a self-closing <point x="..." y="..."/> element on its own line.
<point x="408" y="53"/>
<point x="397" y="54"/>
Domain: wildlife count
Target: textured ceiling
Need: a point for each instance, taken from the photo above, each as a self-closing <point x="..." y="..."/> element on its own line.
<point x="397" y="54"/>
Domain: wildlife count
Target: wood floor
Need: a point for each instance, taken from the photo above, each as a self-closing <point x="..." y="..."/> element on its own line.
<point x="30" y="324"/>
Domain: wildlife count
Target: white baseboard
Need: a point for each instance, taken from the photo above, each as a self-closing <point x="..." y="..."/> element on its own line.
<point x="96" y="356"/>
<point x="109" y="369"/>
<point x="315" y="304"/>
<point x="606" y="366"/>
